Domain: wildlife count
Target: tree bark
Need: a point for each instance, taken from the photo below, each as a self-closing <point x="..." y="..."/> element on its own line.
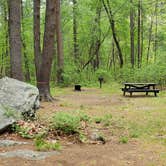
<point x="36" y="30"/>
<point x="5" y="69"/>
<point x="132" y="34"/>
<point x="139" y="33"/>
<point x="26" y="61"/>
<point x="98" y="39"/>
<point x="60" y="58"/>
<point x="149" y="39"/>
<point x="142" y="34"/>
<point x="75" y="41"/>
<point x="15" y="38"/>
<point x="156" y="31"/>
<point x="43" y="83"/>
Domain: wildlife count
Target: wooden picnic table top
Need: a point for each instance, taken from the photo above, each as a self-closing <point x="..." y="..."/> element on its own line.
<point x="131" y="83"/>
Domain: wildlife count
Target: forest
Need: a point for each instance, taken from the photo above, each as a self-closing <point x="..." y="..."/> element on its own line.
<point x="75" y="41"/>
<point x="62" y="67"/>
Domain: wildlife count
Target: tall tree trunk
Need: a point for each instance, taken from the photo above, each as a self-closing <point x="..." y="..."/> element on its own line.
<point x="60" y="58"/>
<point x="149" y="39"/>
<point x="36" y="30"/>
<point x="142" y="35"/>
<point x="5" y="51"/>
<point x="98" y="40"/>
<point x="112" y="24"/>
<point x="156" y="30"/>
<point x="26" y="62"/>
<point x="132" y="34"/>
<point x="139" y="33"/>
<point x="48" y="51"/>
<point x="75" y="41"/>
<point x="94" y="50"/>
<point x="112" y="59"/>
<point x="15" y="38"/>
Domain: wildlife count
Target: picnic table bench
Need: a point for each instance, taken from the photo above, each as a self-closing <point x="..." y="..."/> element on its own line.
<point x="140" y="87"/>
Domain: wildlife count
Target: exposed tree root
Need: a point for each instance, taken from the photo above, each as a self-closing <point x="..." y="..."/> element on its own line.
<point x="46" y="97"/>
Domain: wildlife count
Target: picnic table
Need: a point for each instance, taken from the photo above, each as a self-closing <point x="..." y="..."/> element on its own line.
<point x="140" y="87"/>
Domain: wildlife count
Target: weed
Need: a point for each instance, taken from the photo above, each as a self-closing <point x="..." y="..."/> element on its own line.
<point x="43" y="145"/>
<point x="134" y="134"/>
<point x="82" y="137"/>
<point x="83" y="117"/>
<point x="22" y="131"/>
<point x="66" y="122"/>
<point x="105" y="120"/>
<point x="123" y="139"/>
<point x="98" y="119"/>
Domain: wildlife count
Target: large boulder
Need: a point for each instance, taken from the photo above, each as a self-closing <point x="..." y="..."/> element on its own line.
<point x="5" y="119"/>
<point x="18" y="97"/>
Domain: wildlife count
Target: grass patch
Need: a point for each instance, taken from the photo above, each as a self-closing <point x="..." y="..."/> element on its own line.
<point x="66" y="122"/>
<point x="123" y="139"/>
<point x="43" y="145"/>
<point x="69" y="122"/>
<point x="105" y="120"/>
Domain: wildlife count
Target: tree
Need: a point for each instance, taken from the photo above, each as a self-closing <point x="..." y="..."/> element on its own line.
<point x="156" y="30"/>
<point x="139" y="33"/>
<point x="23" y="38"/>
<point x="108" y="10"/>
<point x="43" y="79"/>
<point x="5" y="68"/>
<point x="14" y="7"/>
<point x="149" y="38"/>
<point x="75" y="40"/>
<point x="132" y="33"/>
<point x="36" y="37"/>
<point x="60" y="59"/>
<point x="97" y="36"/>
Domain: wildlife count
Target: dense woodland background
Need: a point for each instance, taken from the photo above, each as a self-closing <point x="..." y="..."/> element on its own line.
<point x="121" y="40"/>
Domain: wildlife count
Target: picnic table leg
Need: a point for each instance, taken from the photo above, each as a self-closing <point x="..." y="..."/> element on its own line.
<point x="123" y="93"/>
<point x="146" y="93"/>
<point x="130" y="93"/>
<point x="155" y="93"/>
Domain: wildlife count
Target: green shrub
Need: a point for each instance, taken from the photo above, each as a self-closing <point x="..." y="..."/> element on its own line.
<point x="98" y="119"/>
<point x="82" y="116"/>
<point x="123" y="139"/>
<point x="43" y="145"/>
<point x="66" y="122"/>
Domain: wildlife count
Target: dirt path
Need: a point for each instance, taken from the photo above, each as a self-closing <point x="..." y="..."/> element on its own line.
<point x="95" y="102"/>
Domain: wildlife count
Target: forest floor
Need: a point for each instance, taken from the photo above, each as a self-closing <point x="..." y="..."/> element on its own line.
<point x="138" y="120"/>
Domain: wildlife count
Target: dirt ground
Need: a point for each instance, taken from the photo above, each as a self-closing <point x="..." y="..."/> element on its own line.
<point x="95" y="102"/>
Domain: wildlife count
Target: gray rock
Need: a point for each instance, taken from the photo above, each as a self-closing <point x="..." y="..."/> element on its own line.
<point x="18" y="95"/>
<point x="28" y="154"/>
<point x="96" y="136"/>
<point x="16" y="98"/>
<point x="5" y="120"/>
<point x="6" y="143"/>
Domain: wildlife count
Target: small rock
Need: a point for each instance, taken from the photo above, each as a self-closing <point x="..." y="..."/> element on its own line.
<point x="95" y="136"/>
<point x="28" y="154"/>
<point x="6" y="143"/>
